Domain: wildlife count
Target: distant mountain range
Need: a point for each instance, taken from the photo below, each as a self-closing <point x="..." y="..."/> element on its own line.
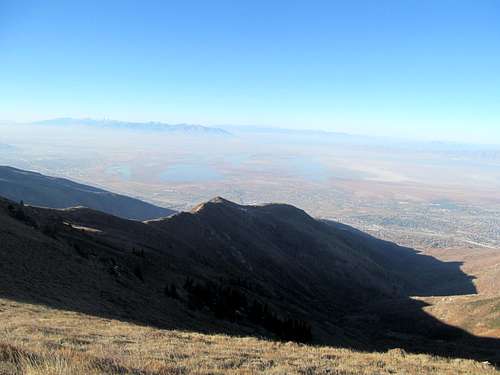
<point x="40" y="190"/>
<point x="269" y="270"/>
<point x="277" y="130"/>
<point x="138" y="126"/>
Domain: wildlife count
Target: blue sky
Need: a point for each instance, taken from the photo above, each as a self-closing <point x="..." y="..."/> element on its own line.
<point x="422" y="69"/>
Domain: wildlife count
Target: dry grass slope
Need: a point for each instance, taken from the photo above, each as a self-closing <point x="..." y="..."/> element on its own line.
<point x="479" y="313"/>
<point x="36" y="340"/>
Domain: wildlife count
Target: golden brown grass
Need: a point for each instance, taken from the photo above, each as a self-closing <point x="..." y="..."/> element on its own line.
<point x="36" y="340"/>
<point x="478" y="314"/>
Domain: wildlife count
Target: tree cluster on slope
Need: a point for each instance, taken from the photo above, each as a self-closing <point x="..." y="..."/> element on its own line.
<point x="230" y="303"/>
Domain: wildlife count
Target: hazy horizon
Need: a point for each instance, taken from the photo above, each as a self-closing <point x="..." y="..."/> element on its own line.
<point x="266" y="127"/>
<point x="420" y="70"/>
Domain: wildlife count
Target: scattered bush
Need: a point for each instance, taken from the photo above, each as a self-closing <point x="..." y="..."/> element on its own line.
<point x="19" y="213"/>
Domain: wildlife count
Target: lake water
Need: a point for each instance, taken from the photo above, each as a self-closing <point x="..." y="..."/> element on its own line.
<point x="309" y="169"/>
<point x="314" y="170"/>
<point x="121" y="170"/>
<point x="190" y="173"/>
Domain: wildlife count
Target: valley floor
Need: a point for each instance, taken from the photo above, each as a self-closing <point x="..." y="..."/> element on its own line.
<point x="36" y="340"/>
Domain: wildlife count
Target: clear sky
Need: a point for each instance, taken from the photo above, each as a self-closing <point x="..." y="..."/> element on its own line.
<point x="423" y="68"/>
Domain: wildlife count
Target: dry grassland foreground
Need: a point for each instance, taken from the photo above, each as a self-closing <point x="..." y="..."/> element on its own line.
<point x="36" y="340"/>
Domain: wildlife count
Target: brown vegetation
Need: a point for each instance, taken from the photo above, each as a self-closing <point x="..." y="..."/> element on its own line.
<point x="39" y="340"/>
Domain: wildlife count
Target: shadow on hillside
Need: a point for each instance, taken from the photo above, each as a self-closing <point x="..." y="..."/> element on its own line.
<point x="405" y="324"/>
<point x="402" y="322"/>
<point x="61" y="277"/>
<point x="425" y="275"/>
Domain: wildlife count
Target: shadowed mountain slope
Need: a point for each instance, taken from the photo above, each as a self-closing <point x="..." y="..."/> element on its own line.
<point x="267" y="270"/>
<point x="40" y="190"/>
<point x="422" y="275"/>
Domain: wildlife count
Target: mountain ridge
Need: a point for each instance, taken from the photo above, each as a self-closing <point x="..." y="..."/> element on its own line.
<point x="132" y="125"/>
<point x="54" y="192"/>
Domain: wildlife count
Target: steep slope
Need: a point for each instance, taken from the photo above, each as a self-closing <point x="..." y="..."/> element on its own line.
<point x="282" y="245"/>
<point x="268" y="270"/>
<point x="424" y="275"/>
<point x="39" y="190"/>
